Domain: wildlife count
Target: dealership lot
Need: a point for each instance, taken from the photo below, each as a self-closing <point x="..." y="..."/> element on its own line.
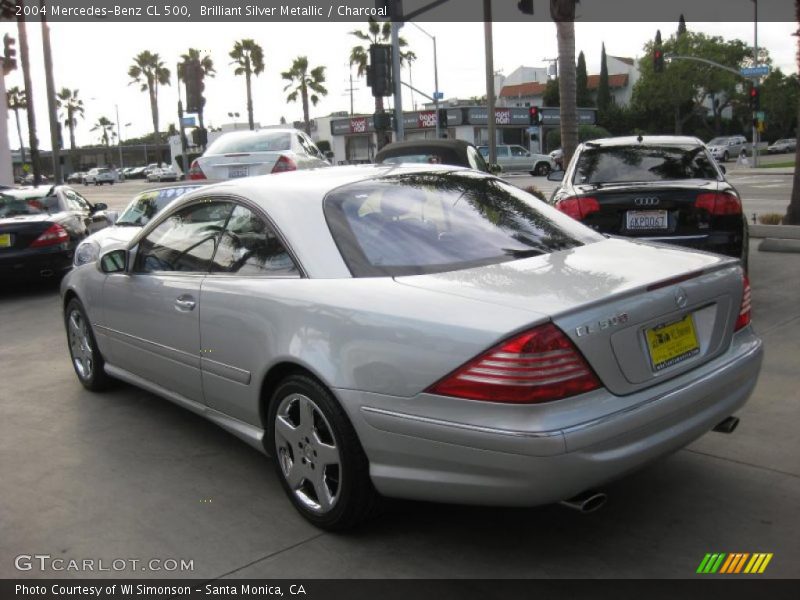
<point x="128" y="476"/>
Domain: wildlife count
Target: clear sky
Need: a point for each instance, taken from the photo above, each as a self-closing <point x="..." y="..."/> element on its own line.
<point x="94" y="58"/>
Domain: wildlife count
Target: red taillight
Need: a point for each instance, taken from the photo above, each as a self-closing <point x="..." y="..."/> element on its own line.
<point x="743" y="320"/>
<point x="719" y="203"/>
<point x="195" y="172"/>
<point x="536" y="366"/>
<point x="578" y="207"/>
<point x="55" y="234"/>
<point x="283" y="164"/>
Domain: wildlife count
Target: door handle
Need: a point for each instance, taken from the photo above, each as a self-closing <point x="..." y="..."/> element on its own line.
<point x="184" y="303"/>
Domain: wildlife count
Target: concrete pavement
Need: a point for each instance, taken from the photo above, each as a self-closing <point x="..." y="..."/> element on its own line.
<point x="127" y="475"/>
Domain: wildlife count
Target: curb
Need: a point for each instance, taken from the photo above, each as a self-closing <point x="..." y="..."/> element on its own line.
<point x="784" y="232"/>
<point x="779" y="245"/>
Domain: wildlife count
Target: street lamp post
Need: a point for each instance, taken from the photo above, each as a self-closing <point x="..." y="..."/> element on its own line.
<point x="435" y="77"/>
<point x="755" y="64"/>
<point x="119" y="138"/>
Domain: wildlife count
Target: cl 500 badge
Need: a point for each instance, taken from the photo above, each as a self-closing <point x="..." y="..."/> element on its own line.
<point x="602" y="324"/>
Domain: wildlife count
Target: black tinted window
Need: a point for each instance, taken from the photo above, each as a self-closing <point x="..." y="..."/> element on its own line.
<point x="185" y="241"/>
<point x="249" y="246"/>
<point x="642" y="163"/>
<point x="431" y="222"/>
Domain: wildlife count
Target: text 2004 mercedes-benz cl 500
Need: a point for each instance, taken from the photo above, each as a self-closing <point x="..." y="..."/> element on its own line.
<point x="417" y="332"/>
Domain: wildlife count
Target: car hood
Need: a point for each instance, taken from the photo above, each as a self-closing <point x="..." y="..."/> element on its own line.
<point x="559" y="282"/>
<point x="114" y="235"/>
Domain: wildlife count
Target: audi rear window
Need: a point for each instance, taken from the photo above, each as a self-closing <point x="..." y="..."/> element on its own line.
<point x="637" y="163"/>
<point x="444" y="221"/>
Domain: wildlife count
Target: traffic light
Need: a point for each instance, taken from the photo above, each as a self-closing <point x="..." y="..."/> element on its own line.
<point x="525" y="6"/>
<point x="193" y="75"/>
<point x="9" y="52"/>
<point x="535" y="115"/>
<point x="379" y="72"/>
<point x="383" y="121"/>
<point x="755" y="98"/>
<point x="441" y="117"/>
<point x="200" y="136"/>
<point x="658" y="60"/>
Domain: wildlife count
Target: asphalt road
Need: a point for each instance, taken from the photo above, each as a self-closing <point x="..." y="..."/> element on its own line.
<point x="126" y="475"/>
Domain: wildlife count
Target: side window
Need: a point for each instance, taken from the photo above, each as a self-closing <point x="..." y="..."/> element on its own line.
<point x="312" y="147"/>
<point x="476" y="160"/>
<point x="75" y="202"/>
<point x="249" y="246"/>
<point x="502" y="151"/>
<point x="518" y="151"/>
<point x="185" y="241"/>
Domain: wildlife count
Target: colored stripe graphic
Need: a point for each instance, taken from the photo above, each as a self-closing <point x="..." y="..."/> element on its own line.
<point x="734" y="563"/>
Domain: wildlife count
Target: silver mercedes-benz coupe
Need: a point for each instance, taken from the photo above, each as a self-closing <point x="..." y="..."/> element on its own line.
<point x="429" y="332"/>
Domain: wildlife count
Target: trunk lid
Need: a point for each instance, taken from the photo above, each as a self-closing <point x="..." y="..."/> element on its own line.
<point x="17" y="233"/>
<point x="239" y="164"/>
<point x="652" y="210"/>
<point x="607" y="296"/>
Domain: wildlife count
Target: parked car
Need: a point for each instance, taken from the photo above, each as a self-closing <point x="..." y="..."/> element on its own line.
<point x="40" y="227"/>
<point x="781" y="146"/>
<point x="76" y="177"/>
<point x="136" y="215"/>
<point x="163" y="174"/>
<point x="447" y="152"/>
<point x="99" y="176"/>
<point x="517" y="158"/>
<point x="246" y="153"/>
<point x="656" y="188"/>
<point x="724" y="148"/>
<point x="425" y="332"/>
<point x="136" y="173"/>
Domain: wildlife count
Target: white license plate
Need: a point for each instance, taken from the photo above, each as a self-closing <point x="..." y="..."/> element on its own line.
<point x="646" y="219"/>
<point x="234" y="172"/>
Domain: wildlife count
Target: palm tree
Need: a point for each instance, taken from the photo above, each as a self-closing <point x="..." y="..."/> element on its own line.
<point x="149" y="71"/>
<point x="377" y="33"/>
<point x="205" y="63"/>
<point x="15" y="98"/>
<point x="302" y="80"/>
<point x="563" y="13"/>
<point x="249" y="60"/>
<point x="793" y="210"/>
<point x="106" y="129"/>
<point x="68" y="100"/>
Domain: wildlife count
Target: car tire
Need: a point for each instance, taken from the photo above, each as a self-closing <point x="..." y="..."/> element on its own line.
<point x="542" y="170"/>
<point x="86" y="359"/>
<point x="306" y="427"/>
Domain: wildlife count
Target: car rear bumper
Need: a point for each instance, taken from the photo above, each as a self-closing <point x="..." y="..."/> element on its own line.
<point x="36" y="264"/>
<point x="425" y="457"/>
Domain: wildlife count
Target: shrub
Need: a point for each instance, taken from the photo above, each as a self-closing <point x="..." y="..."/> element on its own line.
<point x="770" y="219"/>
<point x="534" y="191"/>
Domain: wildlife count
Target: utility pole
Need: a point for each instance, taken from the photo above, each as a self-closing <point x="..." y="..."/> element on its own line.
<point x="755" y="64"/>
<point x="398" y="87"/>
<point x="184" y="159"/>
<point x="52" y="105"/>
<point x="119" y="138"/>
<point x="490" y="118"/>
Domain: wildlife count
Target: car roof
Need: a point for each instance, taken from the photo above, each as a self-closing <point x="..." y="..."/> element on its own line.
<point x="33" y="192"/>
<point x="645" y="140"/>
<point x="459" y="147"/>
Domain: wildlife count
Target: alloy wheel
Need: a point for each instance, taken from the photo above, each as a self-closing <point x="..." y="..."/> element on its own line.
<point x="80" y="345"/>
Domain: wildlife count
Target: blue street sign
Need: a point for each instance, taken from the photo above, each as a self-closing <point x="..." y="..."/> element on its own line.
<point x="189" y="122"/>
<point x="755" y="71"/>
<point x="438" y="95"/>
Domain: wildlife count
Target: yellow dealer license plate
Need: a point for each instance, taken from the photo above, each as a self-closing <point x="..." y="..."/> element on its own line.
<point x="5" y="240"/>
<point x="672" y="343"/>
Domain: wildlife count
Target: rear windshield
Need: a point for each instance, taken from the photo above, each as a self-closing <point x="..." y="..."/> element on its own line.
<point x="434" y="222"/>
<point x="259" y="142"/>
<point x="433" y="157"/>
<point x="147" y="204"/>
<point x="619" y="164"/>
<point x="11" y="206"/>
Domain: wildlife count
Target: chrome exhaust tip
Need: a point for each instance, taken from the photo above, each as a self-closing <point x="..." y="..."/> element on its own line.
<point x="728" y="425"/>
<point x="586" y="502"/>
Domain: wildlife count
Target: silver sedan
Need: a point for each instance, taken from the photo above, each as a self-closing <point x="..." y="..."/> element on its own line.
<point x="417" y="332"/>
